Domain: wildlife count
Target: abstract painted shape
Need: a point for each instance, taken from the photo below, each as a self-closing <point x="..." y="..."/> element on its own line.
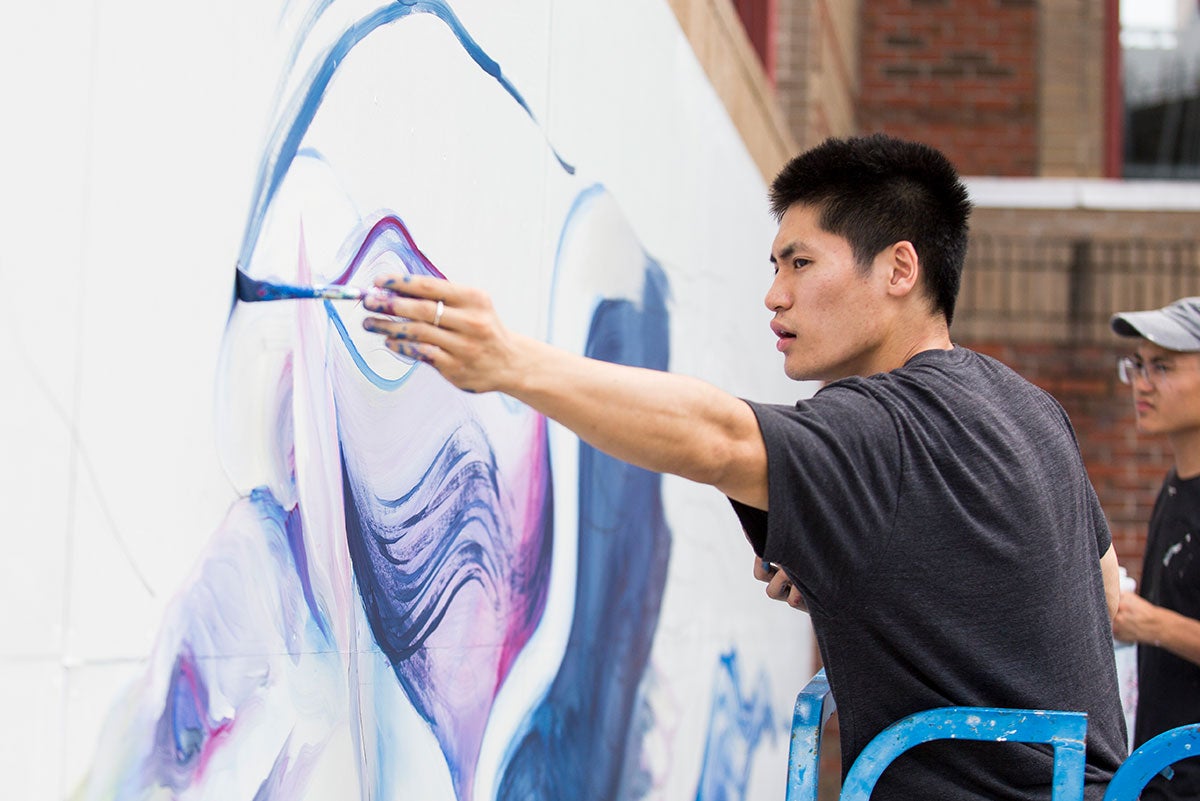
<point x="447" y="548"/>
<point x="185" y="732"/>
<point x="288" y="137"/>
<point x="737" y="725"/>
<point x="223" y="679"/>
<point x="578" y="738"/>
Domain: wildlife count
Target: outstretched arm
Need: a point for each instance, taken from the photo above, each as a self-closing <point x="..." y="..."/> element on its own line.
<point x="660" y="421"/>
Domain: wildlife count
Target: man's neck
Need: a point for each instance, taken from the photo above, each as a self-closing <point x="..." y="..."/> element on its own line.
<point x="933" y="336"/>
<point x="1185" y="445"/>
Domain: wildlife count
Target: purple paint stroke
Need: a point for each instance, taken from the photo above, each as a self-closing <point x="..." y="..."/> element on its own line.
<point x="253" y="567"/>
<point x="185" y="736"/>
<point x="447" y="550"/>
<point x="293" y="526"/>
<point x="389" y="234"/>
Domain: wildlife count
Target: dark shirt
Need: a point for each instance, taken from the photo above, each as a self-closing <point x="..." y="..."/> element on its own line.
<point x="941" y="526"/>
<point x="1169" y="686"/>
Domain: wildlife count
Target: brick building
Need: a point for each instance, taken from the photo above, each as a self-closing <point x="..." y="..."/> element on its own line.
<point x="1025" y="96"/>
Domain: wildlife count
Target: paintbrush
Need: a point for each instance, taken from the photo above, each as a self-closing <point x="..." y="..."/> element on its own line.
<point x="251" y="290"/>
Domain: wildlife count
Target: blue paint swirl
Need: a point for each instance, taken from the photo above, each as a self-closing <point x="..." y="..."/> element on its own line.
<point x="288" y="136"/>
<point x="737" y="725"/>
<point x="583" y="729"/>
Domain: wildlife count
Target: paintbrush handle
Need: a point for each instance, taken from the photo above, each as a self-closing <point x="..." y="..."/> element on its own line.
<point x="338" y="292"/>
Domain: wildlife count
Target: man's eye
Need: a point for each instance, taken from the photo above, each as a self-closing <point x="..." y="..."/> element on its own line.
<point x="801" y="262"/>
<point x="1160" y="368"/>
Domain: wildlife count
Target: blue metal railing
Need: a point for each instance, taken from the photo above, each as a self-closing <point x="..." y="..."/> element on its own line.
<point x="1064" y="731"/>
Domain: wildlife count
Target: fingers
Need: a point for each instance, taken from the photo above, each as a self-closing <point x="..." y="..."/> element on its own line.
<point x="779" y="586"/>
<point x="437" y="313"/>
<point x="450" y="326"/>
<point x="426" y="287"/>
<point x="424" y="315"/>
<point x="763" y="570"/>
<point x="796" y="599"/>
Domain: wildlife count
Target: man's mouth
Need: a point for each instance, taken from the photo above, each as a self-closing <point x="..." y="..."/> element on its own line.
<point x="785" y="337"/>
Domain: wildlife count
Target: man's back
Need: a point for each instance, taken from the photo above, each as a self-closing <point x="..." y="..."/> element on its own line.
<point x="941" y="526"/>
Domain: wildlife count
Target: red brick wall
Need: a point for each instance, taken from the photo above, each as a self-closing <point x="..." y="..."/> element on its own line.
<point x="958" y="75"/>
<point x="1126" y="468"/>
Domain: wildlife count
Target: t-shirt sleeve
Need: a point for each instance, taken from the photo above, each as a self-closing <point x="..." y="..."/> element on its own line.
<point x="833" y="471"/>
<point x="1094" y="513"/>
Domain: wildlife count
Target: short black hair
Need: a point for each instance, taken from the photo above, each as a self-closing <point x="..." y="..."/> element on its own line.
<point x="877" y="190"/>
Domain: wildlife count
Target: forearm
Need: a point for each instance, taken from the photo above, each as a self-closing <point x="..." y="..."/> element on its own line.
<point x="1110" y="570"/>
<point x="656" y="420"/>
<point x="1174" y="632"/>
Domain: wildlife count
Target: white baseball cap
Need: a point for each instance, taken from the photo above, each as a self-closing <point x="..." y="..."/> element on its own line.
<point x="1174" y="327"/>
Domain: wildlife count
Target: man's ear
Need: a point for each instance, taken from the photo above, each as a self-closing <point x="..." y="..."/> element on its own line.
<point x="904" y="268"/>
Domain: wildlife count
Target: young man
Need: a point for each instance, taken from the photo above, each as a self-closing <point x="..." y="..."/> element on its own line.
<point x="1164" y="619"/>
<point x="928" y="505"/>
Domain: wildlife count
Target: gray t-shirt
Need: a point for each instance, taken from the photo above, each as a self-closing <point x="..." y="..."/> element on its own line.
<point x="941" y="526"/>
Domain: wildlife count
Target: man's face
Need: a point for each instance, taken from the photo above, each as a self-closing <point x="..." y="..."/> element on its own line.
<point x="1168" y="401"/>
<point x="829" y="313"/>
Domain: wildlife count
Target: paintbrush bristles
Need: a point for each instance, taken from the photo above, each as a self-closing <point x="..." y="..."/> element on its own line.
<point x="251" y="290"/>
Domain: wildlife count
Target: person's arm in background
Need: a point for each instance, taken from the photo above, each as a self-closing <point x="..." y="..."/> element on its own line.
<point x="1140" y="621"/>
<point x="1111" y="571"/>
<point x="660" y="421"/>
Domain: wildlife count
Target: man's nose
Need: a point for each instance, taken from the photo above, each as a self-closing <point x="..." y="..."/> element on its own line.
<point x="777" y="298"/>
<point x="1142" y="385"/>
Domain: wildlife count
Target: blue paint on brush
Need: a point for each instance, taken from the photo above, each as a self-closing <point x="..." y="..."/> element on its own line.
<point x="251" y="290"/>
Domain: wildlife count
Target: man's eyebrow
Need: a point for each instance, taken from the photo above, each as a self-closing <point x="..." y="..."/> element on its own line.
<point x="785" y="252"/>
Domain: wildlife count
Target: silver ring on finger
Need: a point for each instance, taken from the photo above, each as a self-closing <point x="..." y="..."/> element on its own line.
<point x="437" y="315"/>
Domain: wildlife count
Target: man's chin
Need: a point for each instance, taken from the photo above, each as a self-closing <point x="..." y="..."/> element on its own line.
<point x="804" y="373"/>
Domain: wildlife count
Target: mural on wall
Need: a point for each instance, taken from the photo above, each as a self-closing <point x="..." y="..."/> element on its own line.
<point x="422" y="593"/>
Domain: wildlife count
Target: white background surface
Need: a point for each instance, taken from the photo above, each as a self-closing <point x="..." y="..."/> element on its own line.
<point x="129" y="151"/>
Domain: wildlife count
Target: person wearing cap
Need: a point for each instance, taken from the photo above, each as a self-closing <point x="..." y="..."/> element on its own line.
<point x="1164" y="619"/>
<point x="928" y="505"/>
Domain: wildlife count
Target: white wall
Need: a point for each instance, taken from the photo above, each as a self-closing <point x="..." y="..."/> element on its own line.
<point x="135" y="136"/>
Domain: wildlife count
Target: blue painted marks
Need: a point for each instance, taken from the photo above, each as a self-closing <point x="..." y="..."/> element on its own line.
<point x="582" y="731"/>
<point x="290" y="525"/>
<point x="294" y="527"/>
<point x="737" y="724"/>
<point x="386" y="384"/>
<point x="184" y="734"/>
<point x="272" y="786"/>
<point x="582" y="202"/>
<point x="449" y="552"/>
<point x="288" y="136"/>
<point x="389" y="234"/>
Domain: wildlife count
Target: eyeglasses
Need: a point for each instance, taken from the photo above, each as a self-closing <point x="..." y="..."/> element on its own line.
<point x="1130" y="367"/>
